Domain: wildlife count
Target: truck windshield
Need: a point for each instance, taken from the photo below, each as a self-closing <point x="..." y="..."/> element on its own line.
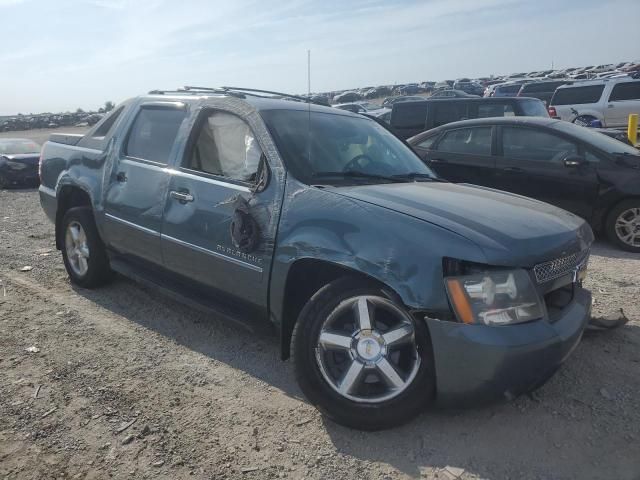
<point x="339" y="149"/>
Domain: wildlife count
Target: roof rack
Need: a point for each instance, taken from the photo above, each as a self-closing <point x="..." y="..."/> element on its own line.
<point x="239" y="92"/>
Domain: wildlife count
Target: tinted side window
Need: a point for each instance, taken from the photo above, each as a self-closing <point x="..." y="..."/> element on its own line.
<point x="153" y="134"/>
<point x="105" y="127"/>
<point x="410" y="116"/>
<point x="448" y="112"/>
<point x="428" y="142"/>
<point x="577" y="95"/>
<point x="494" y="110"/>
<point x="535" y="145"/>
<point x="227" y="147"/>
<point x="471" y="141"/>
<point x="625" y="91"/>
<point x="97" y="138"/>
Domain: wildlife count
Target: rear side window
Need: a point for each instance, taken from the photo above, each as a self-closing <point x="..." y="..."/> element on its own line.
<point x="577" y="95"/>
<point x="486" y="110"/>
<point x="533" y="108"/>
<point x="535" y="145"/>
<point x="428" y="142"/>
<point x="105" y="127"/>
<point x="625" y="91"/>
<point x="98" y="138"/>
<point x="470" y="141"/>
<point x="447" y="112"/>
<point x="409" y="115"/>
<point x="153" y="134"/>
<point x="509" y="89"/>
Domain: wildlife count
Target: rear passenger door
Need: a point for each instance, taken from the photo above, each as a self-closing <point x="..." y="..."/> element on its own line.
<point x="533" y="162"/>
<point x="623" y="101"/>
<point x="463" y="155"/>
<point x="221" y="212"/>
<point x="137" y="186"/>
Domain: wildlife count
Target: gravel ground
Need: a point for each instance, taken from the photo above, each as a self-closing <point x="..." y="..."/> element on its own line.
<point x="122" y="382"/>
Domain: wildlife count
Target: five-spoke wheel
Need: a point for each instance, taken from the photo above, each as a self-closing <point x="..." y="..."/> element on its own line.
<point x="360" y="357"/>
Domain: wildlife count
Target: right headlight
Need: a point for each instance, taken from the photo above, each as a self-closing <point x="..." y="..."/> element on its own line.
<point x="500" y="297"/>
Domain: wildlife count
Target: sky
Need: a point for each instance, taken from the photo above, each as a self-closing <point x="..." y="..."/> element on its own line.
<point x="59" y="55"/>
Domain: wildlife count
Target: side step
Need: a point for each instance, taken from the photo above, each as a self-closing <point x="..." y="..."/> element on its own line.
<point x="194" y="296"/>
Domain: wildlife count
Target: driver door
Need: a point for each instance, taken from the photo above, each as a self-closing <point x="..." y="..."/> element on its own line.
<point x="222" y="210"/>
<point x="531" y="163"/>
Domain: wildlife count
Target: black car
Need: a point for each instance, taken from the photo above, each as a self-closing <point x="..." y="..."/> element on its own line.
<point x="387" y="102"/>
<point x="18" y="162"/>
<point x="452" y="93"/>
<point x="572" y="167"/>
<point x="409" y="119"/>
<point x="541" y="90"/>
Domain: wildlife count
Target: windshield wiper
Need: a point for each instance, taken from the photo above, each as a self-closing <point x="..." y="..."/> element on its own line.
<point x="357" y="174"/>
<point x="413" y="176"/>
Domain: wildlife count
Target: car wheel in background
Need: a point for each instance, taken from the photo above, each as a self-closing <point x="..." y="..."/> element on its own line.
<point x="623" y="225"/>
<point x="360" y="358"/>
<point x="83" y="252"/>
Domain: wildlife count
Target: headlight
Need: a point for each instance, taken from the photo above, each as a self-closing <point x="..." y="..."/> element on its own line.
<point x="500" y="297"/>
<point x="16" y="165"/>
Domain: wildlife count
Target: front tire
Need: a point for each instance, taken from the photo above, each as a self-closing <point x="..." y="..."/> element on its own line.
<point x="623" y="225"/>
<point x="83" y="252"/>
<point x="360" y="358"/>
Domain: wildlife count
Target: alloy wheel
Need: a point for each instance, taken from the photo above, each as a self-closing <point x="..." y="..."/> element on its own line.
<point x="366" y="349"/>
<point x="627" y="227"/>
<point x="77" y="248"/>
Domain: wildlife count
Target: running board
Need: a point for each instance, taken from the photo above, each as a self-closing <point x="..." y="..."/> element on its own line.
<point x="248" y="319"/>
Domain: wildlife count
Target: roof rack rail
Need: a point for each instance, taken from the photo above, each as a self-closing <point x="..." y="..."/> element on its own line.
<point x="239" y="92"/>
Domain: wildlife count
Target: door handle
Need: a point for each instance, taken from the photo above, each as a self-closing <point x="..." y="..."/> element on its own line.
<point x="512" y="169"/>
<point x="437" y="160"/>
<point x="121" y="177"/>
<point x="182" y="197"/>
<point x="610" y="106"/>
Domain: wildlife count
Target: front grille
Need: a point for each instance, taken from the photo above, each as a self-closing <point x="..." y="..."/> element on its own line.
<point x="559" y="267"/>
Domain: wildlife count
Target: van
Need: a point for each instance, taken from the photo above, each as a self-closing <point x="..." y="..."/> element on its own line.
<point x="409" y="119"/>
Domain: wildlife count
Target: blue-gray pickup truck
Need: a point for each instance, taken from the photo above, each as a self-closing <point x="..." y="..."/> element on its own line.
<point x="390" y="288"/>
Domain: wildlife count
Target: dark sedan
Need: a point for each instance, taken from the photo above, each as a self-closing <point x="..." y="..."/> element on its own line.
<point x="18" y="162"/>
<point x="572" y="167"/>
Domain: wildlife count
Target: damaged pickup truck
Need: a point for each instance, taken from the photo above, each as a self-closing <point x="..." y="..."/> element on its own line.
<point x="391" y="289"/>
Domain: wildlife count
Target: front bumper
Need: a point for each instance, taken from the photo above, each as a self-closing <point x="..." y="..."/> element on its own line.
<point x="478" y="363"/>
<point x="25" y="176"/>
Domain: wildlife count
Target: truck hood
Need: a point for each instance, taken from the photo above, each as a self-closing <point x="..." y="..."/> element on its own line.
<point x="511" y="230"/>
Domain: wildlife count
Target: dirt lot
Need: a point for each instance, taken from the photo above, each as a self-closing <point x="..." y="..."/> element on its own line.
<point x="125" y="383"/>
<point x="42" y="135"/>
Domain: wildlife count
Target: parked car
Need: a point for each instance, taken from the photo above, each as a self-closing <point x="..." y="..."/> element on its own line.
<point x="347" y="97"/>
<point x="409" y="119"/>
<point x="541" y="90"/>
<point x="607" y="101"/>
<point x="451" y="93"/>
<point x="572" y="167"/>
<point x="392" y="288"/>
<point x="389" y="101"/>
<point x="359" y="107"/>
<point x="468" y="86"/>
<point x="18" y="162"/>
<point x="509" y="89"/>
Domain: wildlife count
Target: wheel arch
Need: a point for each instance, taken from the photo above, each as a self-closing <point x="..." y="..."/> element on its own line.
<point x="69" y="196"/>
<point x="304" y="278"/>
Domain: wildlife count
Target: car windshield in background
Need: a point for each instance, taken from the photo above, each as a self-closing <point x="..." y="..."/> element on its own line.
<point x="534" y="108"/>
<point x="340" y="148"/>
<point x="577" y="95"/>
<point x="597" y="139"/>
<point x="18" y="147"/>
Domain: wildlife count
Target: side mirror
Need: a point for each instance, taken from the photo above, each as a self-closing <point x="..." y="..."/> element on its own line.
<point x="573" y="161"/>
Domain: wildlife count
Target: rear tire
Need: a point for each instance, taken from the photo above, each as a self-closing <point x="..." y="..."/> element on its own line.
<point x="623" y="225"/>
<point x="393" y="358"/>
<point x="83" y="252"/>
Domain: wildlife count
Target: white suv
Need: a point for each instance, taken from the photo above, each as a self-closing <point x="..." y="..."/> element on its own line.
<point x="609" y="100"/>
